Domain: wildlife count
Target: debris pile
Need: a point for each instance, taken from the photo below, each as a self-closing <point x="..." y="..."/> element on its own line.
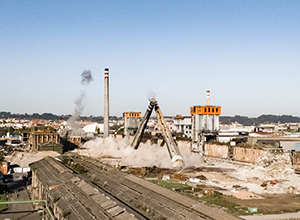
<point x="9" y="149"/>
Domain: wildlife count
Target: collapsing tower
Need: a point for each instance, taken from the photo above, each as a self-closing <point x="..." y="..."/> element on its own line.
<point x="205" y="124"/>
<point x="173" y="150"/>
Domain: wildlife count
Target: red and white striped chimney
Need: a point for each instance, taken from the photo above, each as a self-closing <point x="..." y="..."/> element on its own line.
<point x="106" y="103"/>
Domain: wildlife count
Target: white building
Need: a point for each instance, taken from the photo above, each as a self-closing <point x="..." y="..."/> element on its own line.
<point x="183" y="124"/>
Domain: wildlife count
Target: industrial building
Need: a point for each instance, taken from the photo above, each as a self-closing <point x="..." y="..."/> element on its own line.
<point x="287" y="143"/>
<point x="131" y="122"/>
<point x="202" y="126"/>
<point x="39" y="140"/>
<point x="69" y="196"/>
<point x="183" y="124"/>
<point x="205" y="123"/>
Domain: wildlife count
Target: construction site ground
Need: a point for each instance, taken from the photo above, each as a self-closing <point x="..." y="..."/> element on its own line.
<point x="270" y="204"/>
<point x="273" y="203"/>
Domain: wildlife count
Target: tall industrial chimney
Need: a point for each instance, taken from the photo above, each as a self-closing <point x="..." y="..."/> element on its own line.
<point x="106" y="103"/>
<point x="207" y="97"/>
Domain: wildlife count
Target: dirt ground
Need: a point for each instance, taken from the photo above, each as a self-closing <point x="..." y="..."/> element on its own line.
<point x="273" y="203"/>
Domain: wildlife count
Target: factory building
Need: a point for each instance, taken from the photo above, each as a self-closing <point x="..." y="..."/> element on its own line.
<point x="183" y="124"/>
<point x="131" y="122"/>
<point x="69" y="196"/>
<point x="205" y="124"/>
<point x="287" y="143"/>
<point x="37" y="140"/>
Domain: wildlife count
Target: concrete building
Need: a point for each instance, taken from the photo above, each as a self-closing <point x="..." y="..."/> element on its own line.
<point x="183" y="124"/>
<point x="205" y="124"/>
<point x="36" y="138"/>
<point x="287" y="143"/>
<point x="132" y="121"/>
<point x="94" y="129"/>
<point x="266" y="128"/>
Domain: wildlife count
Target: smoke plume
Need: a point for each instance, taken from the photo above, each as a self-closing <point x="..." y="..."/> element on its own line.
<point x="72" y="121"/>
<point x="86" y="77"/>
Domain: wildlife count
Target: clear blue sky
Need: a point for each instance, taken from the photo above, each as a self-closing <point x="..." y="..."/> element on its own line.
<point x="246" y="52"/>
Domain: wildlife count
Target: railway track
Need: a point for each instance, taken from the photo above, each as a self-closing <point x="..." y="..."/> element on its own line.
<point x="146" y="199"/>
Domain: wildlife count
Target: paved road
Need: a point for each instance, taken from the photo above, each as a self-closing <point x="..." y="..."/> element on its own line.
<point x="272" y="217"/>
<point x="17" y="192"/>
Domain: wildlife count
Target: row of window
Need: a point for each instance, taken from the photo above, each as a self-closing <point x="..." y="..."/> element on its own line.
<point x="212" y="109"/>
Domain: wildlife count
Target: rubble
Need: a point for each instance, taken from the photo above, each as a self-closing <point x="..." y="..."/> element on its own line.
<point x="7" y="150"/>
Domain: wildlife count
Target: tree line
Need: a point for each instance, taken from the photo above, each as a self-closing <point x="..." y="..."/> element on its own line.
<point x="263" y="119"/>
<point x="245" y="120"/>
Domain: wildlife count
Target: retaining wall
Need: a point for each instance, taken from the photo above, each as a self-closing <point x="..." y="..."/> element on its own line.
<point x="219" y="151"/>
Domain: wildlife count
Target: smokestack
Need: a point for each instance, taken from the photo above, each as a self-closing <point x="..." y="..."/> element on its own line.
<point x="106" y="103"/>
<point x="207" y="97"/>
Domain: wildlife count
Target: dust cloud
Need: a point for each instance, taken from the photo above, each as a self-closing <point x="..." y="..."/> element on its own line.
<point x="251" y="177"/>
<point x="147" y="155"/>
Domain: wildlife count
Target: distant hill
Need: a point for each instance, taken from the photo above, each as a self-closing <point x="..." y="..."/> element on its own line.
<point x="259" y="120"/>
<point x="50" y="116"/>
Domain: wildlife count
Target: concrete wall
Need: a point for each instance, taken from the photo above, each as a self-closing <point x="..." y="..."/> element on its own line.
<point x="288" y="146"/>
<point x="219" y="151"/>
<point x="249" y="155"/>
<point x="183" y="145"/>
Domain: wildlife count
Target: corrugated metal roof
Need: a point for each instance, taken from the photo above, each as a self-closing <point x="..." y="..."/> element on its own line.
<point x="75" y="197"/>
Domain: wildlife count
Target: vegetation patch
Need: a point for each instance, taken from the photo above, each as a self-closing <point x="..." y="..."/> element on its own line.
<point x="219" y="200"/>
<point x="216" y="199"/>
<point x="173" y="184"/>
<point x="80" y="169"/>
<point x="3" y="197"/>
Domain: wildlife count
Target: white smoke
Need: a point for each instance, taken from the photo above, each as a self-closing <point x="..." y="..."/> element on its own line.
<point x="147" y="155"/>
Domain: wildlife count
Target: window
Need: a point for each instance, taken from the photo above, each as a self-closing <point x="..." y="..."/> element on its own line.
<point x="208" y="109"/>
<point x="217" y="109"/>
<point x="204" y="109"/>
<point x="213" y="109"/>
